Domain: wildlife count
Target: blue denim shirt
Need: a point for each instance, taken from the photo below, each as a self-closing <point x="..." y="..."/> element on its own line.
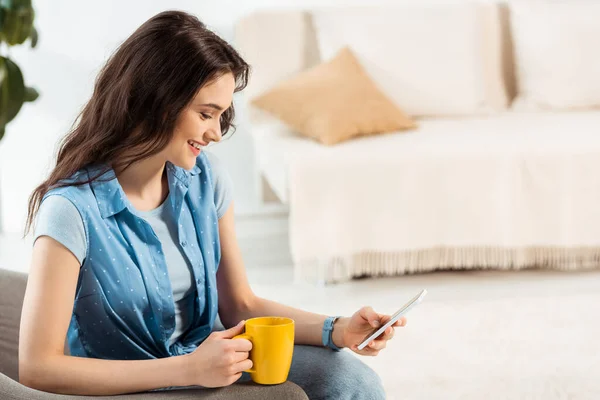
<point x="124" y="306"/>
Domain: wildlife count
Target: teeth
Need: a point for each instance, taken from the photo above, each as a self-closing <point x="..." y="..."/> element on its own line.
<point x="194" y="144"/>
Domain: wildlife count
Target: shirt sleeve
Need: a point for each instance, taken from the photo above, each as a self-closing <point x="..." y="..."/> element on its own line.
<point x="222" y="183"/>
<point x="59" y="219"/>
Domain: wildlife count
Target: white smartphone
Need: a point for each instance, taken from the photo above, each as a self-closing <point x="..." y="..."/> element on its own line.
<point x="406" y="308"/>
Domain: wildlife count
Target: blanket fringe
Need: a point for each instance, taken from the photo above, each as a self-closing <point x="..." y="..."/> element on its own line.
<point x="374" y="263"/>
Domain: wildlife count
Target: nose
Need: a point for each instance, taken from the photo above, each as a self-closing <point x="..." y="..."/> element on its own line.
<point x="213" y="134"/>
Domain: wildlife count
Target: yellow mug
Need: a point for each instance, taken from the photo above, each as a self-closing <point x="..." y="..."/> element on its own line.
<point x="272" y="348"/>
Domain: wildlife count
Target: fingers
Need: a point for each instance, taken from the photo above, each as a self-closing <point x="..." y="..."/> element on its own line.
<point x="242" y="366"/>
<point x="376" y="320"/>
<point x="386" y="318"/>
<point x="241" y="345"/>
<point x="388" y="334"/>
<point x="370" y="316"/>
<point x="231" y="332"/>
<point x="240" y="356"/>
<point x="377" y="344"/>
<point x="381" y="342"/>
<point x="367" y="351"/>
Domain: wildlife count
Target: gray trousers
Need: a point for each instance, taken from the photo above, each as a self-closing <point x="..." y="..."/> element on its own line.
<point x="326" y="374"/>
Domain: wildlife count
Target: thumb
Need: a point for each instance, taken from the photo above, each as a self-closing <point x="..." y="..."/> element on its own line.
<point x="233" y="331"/>
<point x="370" y="316"/>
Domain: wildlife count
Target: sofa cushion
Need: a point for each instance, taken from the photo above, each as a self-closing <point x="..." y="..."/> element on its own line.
<point x="507" y="135"/>
<point x="431" y="61"/>
<point x="11" y="390"/>
<point x="557" y="54"/>
<point x="12" y="292"/>
<point x="333" y="102"/>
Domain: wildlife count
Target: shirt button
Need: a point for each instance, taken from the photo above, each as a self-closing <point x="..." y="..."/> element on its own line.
<point x="198" y="281"/>
<point x="184" y="243"/>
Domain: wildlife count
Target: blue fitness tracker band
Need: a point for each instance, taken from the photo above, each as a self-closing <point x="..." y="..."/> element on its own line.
<point x="327" y="332"/>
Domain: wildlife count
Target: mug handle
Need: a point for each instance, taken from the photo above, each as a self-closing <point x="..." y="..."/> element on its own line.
<point x="247" y="337"/>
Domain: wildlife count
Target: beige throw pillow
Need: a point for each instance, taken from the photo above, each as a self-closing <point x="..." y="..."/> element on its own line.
<point x="333" y="102"/>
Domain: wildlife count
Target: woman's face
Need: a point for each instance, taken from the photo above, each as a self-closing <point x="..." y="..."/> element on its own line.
<point x="200" y="123"/>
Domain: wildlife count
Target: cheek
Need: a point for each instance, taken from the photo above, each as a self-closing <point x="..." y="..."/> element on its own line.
<point x="190" y="126"/>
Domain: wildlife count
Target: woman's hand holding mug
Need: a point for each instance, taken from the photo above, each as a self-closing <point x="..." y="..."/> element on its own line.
<point x="219" y="360"/>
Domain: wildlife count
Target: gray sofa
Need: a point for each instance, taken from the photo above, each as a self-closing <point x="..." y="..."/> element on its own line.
<point x="12" y="291"/>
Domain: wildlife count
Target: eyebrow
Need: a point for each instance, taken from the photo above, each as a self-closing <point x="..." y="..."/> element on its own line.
<point x="213" y="105"/>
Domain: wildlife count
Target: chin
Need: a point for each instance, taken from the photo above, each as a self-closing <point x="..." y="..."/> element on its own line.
<point x="186" y="164"/>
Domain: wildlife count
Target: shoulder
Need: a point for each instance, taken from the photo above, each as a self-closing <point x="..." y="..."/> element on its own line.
<point x="58" y="210"/>
<point x="56" y="204"/>
<point x="76" y="200"/>
<point x="76" y="185"/>
<point x="59" y="218"/>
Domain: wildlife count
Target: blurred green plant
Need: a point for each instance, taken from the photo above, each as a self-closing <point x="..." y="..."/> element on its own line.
<point x="16" y="26"/>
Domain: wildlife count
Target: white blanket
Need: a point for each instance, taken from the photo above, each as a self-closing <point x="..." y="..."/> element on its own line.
<point x="510" y="191"/>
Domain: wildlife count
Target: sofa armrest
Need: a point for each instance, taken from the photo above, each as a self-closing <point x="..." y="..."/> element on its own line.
<point x="12" y="390"/>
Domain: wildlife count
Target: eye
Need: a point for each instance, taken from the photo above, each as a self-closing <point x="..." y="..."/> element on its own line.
<point x="205" y="116"/>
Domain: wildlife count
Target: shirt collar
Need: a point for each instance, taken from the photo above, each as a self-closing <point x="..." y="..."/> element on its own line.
<point x="181" y="174"/>
<point x="110" y="196"/>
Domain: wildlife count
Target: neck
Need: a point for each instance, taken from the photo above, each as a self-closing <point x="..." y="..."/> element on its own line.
<point x="145" y="183"/>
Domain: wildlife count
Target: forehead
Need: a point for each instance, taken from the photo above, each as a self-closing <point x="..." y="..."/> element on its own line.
<point x="218" y="91"/>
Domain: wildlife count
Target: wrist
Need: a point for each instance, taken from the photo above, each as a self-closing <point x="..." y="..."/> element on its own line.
<point x="187" y="377"/>
<point x="337" y="335"/>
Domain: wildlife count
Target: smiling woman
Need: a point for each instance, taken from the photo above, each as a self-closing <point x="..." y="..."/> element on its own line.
<point x="136" y="106"/>
<point x="135" y="252"/>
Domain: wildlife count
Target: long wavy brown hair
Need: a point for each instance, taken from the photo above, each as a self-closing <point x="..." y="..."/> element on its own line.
<point x="138" y="96"/>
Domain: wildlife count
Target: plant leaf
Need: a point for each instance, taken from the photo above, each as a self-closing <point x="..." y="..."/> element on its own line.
<point x="17" y="24"/>
<point x="31" y="94"/>
<point x="34" y="37"/>
<point x="15" y="3"/>
<point x="2" y="14"/>
<point x="4" y="95"/>
<point x="13" y="92"/>
<point x="3" y="72"/>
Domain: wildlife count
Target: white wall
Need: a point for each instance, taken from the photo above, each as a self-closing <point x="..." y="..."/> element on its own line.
<point x="75" y="38"/>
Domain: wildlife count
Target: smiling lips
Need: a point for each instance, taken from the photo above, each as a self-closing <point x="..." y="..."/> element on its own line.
<point x="196" y="147"/>
<point x="195" y="144"/>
